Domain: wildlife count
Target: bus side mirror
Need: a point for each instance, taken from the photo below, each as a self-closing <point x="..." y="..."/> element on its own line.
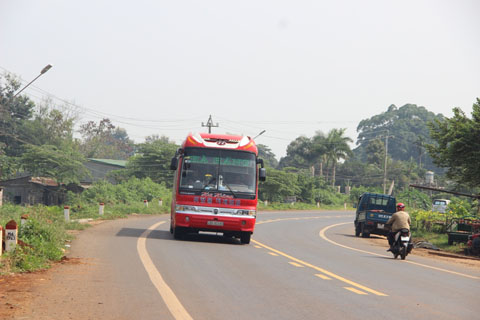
<point x="174" y="163"/>
<point x="354" y="205"/>
<point x="262" y="174"/>
<point x="260" y="162"/>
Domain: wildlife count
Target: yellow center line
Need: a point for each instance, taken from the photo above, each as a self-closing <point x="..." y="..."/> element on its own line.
<point x="170" y="299"/>
<point x="355" y="290"/>
<point x="324" y="237"/>
<point x="321" y="276"/>
<point x="326" y="272"/>
<point x="272" y="254"/>
<point x="295" y="264"/>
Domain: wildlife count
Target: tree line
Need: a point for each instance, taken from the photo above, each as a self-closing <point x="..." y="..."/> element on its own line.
<point x="397" y="146"/>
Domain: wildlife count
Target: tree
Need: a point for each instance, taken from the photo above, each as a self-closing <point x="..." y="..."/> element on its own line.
<point x="49" y="125"/>
<point x="38" y="140"/>
<point x="406" y="127"/>
<point x="299" y="154"/>
<point x="279" y="185"/>
<point x="375" y="152"/>
<point x="319" y="149"/>
<point x="153" y="161"/>
<point x="14" y="112"/>
<point x="104" y="140"/>
<point x="63" y="163"/>
<point x="337" y="148"/>
<point x="457" y="145"/>
<point x="267" y="155"/>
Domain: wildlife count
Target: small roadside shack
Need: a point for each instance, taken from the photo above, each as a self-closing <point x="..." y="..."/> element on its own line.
<point x="30" y="190"/>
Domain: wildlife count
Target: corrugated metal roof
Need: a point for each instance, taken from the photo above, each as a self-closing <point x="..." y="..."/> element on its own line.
<point x="118" y="163"/>
<point x="49" y="182"/>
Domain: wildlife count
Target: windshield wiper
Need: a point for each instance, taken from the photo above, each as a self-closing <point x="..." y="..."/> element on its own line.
<point x="233" y="193"/>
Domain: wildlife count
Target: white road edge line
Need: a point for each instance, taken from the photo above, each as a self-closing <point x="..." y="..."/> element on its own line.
<point x="324" y="237"/>
<point x="173" y="304"/>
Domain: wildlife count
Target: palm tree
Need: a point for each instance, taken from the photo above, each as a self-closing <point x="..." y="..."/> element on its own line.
<point x="336" y="146"/>
<point x="318" y="150"/>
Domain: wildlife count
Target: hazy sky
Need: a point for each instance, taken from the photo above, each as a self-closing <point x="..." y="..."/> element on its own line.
<point x="288" y="67"/>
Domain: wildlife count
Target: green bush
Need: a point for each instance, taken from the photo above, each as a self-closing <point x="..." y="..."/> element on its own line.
<point x="330" y="197"/>
<point x="45" y="232"/>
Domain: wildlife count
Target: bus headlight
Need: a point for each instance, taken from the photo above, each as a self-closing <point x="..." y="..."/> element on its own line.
<point x="247" y="212"/>
<point x="180" y="207"/>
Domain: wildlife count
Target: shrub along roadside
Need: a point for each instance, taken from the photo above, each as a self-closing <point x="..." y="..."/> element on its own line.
<point x="42" y="238"/>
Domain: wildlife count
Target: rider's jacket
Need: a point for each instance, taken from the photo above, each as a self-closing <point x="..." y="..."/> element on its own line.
<point x="400" y="220"/>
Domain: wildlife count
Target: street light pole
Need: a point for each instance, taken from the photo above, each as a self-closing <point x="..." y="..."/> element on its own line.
<point x="47" y="67"/>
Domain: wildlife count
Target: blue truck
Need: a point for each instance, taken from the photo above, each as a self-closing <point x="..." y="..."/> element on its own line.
<point x="373" y="211"/>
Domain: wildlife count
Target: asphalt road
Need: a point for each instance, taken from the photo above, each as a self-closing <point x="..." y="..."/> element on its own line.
<point x="299" y="265"/>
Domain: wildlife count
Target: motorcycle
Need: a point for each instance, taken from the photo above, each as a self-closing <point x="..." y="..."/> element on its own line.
<point x="402" y="244"/>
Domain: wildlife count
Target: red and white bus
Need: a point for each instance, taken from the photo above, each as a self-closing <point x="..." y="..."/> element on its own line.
<point x="215" y="187"/>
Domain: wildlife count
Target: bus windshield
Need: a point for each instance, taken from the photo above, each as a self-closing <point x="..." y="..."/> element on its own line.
<point x="225" y="171"/>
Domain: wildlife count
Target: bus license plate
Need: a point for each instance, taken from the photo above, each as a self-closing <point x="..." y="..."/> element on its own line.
<point x="215" y="223"/>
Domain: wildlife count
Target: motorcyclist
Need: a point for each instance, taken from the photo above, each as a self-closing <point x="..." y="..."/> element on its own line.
<point x="399" y="220"/>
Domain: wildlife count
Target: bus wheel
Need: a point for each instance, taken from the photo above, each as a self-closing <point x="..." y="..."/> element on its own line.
<point x="177" y="233"/>
<point x="245" y="238"/>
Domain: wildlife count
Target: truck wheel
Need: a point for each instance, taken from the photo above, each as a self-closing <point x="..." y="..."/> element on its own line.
<point x="357" y="230"/>
<point x="365" y="234"/>
<point x="245" y="238"/>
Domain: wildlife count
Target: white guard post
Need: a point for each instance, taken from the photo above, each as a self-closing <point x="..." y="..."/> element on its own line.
<point x="11" y="235"/>
<point x="23" y="219"/>
<point x="100" y="208"/>
<point x="145" y="202"/>
<point x="160" y="202"/>
<point x="66" y="213"/>
<point x="1" y="240"/>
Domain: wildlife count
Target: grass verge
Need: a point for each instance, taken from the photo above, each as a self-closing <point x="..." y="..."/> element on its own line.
<point x="440" y="240"/>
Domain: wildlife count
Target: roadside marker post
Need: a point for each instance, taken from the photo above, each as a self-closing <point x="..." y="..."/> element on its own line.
<point x="1" y="240"/>
<point x="11" y="235"/>
<point x="23" y="219"/>
<point x="101" y="208"/>
<point x="160" y="202"/>
<point x="145" y="202"/>
<point x="66" y="213"/>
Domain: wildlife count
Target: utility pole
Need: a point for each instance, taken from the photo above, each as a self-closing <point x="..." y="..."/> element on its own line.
<point x="385" y="165"/>
<point x="210" y="124"/>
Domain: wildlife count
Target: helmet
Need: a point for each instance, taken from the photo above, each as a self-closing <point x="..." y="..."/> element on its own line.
<point x="400" y="205"/>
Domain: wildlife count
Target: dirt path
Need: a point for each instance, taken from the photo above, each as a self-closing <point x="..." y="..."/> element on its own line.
<point x="47" y="290"/>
